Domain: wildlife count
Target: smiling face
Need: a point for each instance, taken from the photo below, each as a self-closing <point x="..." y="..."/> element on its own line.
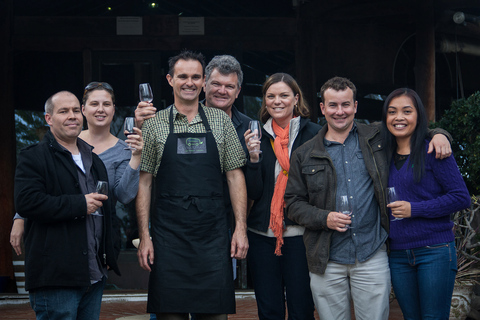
<point x="401" y="117"/>
<point x="339" y="109"/>
<point x="99" y="108"/>
<point x="187" y="81"/>
<point x="221" y="90"/>
<point x="66" y="119"/>
<point x="280" y="101"/>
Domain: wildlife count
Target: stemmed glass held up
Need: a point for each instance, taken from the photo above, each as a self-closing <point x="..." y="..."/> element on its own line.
<point x="128" y="126"/>
<point x="345" y="207"/>
<point x="392" y="197"/>
<point x="256" y="129"/>
<point x="145" y="92"/>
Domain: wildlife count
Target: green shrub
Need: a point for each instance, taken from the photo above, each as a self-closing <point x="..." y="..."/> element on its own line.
<point x="462" y="120"/>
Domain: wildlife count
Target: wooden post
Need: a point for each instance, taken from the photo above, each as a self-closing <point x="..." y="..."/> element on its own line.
<point x="305" y="63"/>
<point x="425" y="56"/>
<point x="7" y="143"/>
<point x="87" y="66"/>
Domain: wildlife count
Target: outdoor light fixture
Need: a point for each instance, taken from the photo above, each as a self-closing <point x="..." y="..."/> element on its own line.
<point x="459" y="17"/>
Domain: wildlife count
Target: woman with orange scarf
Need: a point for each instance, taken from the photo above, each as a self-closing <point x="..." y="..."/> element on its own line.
<point x="276" y="256"/>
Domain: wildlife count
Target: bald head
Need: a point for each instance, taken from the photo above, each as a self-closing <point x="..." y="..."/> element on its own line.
<point x="49" y="104"/>
<point x="64" y="116"/>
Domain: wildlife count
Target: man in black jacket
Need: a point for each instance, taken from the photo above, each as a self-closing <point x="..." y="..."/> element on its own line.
<point x="223" y="82"/>
<point x="68" y="232"/>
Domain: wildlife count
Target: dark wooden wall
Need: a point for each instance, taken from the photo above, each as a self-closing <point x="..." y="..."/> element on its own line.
<point x="7" y="142"/>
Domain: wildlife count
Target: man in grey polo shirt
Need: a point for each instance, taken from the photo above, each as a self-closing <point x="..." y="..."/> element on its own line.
<point x="347" y="256"/>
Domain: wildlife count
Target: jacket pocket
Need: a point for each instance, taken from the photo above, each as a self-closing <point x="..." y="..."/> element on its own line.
<point x="314" y="177"/>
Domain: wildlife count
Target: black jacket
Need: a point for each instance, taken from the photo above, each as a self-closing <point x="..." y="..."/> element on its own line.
<point x="241" y="123"/>
<point x="260" y="176"/>
<point x="47" y="193"/>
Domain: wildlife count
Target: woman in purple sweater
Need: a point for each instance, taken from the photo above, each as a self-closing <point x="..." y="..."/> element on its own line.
<point x="423" y="261"/>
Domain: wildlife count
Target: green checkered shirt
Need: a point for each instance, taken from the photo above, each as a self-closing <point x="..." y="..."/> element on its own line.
<point x="155" y="132"/>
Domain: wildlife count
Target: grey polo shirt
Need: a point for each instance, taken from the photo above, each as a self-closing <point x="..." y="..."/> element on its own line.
<point x="367" y="235"/>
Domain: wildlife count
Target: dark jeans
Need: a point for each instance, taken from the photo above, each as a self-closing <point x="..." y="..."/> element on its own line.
<point x="68" y="303"/>
<point x="276" y="278"/>
<point x="423" y="280"/>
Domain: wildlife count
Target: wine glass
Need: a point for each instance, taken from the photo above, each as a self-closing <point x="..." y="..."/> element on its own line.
<point x="345" y="207"/>
<point x="128" y="126"/>
<point x="256" y="129"/>
<point x="145" y="92"/>
<point x="392" y="197"/>
<point x="102" y="188"/>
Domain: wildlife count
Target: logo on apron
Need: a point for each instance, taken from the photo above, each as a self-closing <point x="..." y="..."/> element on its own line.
<point x="191" y="145"/>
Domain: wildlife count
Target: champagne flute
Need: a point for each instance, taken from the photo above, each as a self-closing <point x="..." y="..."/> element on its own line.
<point x="145" y="92"/>
<point x="128" y="126"/>
<point x="256" y="129"/>
<point x="102" y="188"/>
<point x="345" y="207"/>
<point x="392" y="197"/>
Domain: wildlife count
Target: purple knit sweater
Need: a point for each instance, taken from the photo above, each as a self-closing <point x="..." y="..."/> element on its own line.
<point x="441" y="192"/>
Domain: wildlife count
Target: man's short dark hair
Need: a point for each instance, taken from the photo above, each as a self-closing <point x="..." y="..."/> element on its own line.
<point x="225" y="64"/>
<point x="185" y="55"/>
<point x="338" y="84"/>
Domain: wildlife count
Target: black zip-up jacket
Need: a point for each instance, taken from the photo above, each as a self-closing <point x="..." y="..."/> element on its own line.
<point x="47" y="193"/>
<point x="260" y="176"/>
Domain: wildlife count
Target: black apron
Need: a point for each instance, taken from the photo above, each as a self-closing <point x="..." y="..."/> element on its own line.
<point x="192" y="270"/>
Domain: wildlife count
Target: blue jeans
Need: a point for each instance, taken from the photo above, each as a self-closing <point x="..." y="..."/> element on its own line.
<point x="423" y="280"/>
<point x="68" y="303"/>
<point x="278" y="277"/>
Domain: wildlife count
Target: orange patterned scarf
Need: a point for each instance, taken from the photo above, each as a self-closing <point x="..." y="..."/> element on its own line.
<point x="280" y="147"/>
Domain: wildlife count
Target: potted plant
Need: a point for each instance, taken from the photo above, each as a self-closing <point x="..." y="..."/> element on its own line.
<point x="468" y="255"/>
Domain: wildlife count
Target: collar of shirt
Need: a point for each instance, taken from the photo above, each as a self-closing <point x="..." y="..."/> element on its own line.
<point x="352" y="133"/>
<point x="178" y="116"/>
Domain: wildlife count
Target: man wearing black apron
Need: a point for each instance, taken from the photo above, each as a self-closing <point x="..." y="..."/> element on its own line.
<point x="187" y="148"/>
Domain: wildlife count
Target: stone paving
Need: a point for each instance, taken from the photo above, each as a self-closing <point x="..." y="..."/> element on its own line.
<point x="117" y="307"/>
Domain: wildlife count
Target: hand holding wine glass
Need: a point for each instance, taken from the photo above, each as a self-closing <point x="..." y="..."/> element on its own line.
<point x="128" y="126"/>
<point x="145" y="92"/>
<point x="345" y="207"/>
<point x="256" y="129"/>
<point x="102" y="188"/>
<point x="392" y="197"/>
